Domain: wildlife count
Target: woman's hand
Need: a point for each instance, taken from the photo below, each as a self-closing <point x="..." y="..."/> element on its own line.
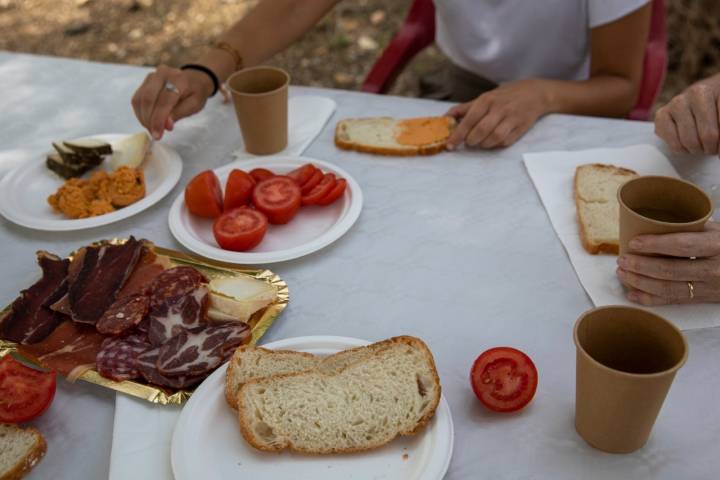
<point x="660" y="281"/>
<point x="158" y="108"/>
<point x="689" y="123"/>
<point x="499" y="117"/>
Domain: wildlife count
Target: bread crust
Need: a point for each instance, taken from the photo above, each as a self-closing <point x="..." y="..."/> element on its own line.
<point x="26" y="463"/>
<point x="247" y="433"/>
<point x="404" y="151"/>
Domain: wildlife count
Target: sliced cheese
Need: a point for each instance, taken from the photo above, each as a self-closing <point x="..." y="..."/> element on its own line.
<point x="237" y="298"/>
<point x="130" y="151"/>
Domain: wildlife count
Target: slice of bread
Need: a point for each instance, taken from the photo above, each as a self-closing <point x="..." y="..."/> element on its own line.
<point x="390" y="136"/>
<point x="597" y="207"/>
<point x="20" y="450"/>
<point x="250" y="362"/>
<point x="394" y="391"/>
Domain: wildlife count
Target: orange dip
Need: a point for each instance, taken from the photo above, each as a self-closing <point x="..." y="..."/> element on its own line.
<point x="423" y="131"/>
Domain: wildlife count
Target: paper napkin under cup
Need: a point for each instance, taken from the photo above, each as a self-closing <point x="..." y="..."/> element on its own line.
<point x="552" y="174"/>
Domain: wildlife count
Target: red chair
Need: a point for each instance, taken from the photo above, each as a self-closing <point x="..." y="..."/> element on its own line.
<point x="418" y="32"/>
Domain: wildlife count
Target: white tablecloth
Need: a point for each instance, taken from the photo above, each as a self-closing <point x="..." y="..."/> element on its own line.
<point x="455" y="248"/>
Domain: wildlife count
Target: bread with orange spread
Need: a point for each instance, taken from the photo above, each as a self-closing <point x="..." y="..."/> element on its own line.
<point x="391" y="136"/>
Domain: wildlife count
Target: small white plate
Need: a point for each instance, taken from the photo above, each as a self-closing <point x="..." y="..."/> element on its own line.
<point x="24" y="191"/>
<point x="207" y="442"/>
<point x="312" y="228"/>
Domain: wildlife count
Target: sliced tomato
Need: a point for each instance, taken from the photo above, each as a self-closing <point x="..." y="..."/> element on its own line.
<point x="278" y="198"/>
<point x="302" y="174"/>
<point x="320" y="190"/>
<point x="334" y="194"/>
<point x="203" y="195"/>
<point x="504" y="379"/>
<point x="316" y="178"/>
<point x="260" y="174"/>
<point x="238" y="189"/>
<point x="240" y="229"/>
<point x="25" y="393"/>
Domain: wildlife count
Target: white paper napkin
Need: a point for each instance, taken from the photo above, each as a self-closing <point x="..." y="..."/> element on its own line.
<point x="552" y="173"/>
<point x="307" y="115"/>
<point x="142" y="432"/>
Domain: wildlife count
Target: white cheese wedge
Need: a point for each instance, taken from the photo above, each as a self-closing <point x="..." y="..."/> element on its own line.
<point x="130" y="151"/>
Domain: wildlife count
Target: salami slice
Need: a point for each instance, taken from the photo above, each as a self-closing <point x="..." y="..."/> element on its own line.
<point x="124" y="314"/>
<point x="147" y="366"/>
<point x="178" y="300"/>
<point x="201" y="350"/>
<point x="118" y="359"/>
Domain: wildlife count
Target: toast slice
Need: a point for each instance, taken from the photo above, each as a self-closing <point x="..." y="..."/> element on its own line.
<point x="595" y="187"/>
<point x="20" y="450"/>
<point x="250" y="362"/>
<point x="390" y="136"/>
<point x="394" y="391"/>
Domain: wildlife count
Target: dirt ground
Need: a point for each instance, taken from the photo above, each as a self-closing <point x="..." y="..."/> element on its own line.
<point x="337" y="53"/>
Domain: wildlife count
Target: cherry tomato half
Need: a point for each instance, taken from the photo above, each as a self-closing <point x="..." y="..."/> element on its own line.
<point x="240" y="229"/>
<point x="302" y="174"/>
<point x="320" y="190"/>
<point x="334" y="194"/>
<point x="504" y="379"/>
<point x="278" y="198"/>
<point x="203" y="195"/>
<point x="25" y="393"/>
<point x="238" y="189"/>
<point x="260" y="174"/>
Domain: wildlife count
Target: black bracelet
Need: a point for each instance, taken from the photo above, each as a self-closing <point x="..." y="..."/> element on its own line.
<point x="204" y="69"/>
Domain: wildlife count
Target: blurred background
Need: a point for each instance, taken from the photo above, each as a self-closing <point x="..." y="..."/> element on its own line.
<point x="338" y="53"/>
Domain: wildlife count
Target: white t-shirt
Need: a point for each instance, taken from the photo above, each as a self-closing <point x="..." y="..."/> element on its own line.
<point x="505" y="40"/>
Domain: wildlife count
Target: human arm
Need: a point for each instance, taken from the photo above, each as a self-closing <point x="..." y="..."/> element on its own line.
<point x="269" y="28"/>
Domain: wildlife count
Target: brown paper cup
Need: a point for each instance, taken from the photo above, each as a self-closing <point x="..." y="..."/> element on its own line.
<point x="656" y="205"/>
<point x="260" y="95"/>
<point x="626" y="360"/>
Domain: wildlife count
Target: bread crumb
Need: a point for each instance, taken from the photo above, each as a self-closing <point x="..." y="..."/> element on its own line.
<point x="405" y="456"/>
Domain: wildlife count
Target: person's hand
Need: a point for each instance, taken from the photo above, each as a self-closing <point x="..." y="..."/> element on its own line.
<point x="499" y="117"/>
<point x="689" y="123"/>
<point x="158" y="108"/>
<point x="660" y="281"/>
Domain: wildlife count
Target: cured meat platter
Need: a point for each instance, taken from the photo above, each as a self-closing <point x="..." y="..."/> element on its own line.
<point x="140" y="319"/>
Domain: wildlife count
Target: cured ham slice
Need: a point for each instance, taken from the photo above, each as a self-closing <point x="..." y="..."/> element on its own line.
<point x="202" y="350"/>
<point x="67" y="347"/>
<point x="147" y="365"/>
<point x="124" y="314"/>
<point x="178" y="301"/>
<point x="103" y="272"/>
<point x="29" y="319"/>
<point x="148" y="268"/>
<point x="118" y="359"/>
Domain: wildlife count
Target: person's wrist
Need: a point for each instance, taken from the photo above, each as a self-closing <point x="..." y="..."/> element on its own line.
<point x="202" y="82"/>
<point x="548" y="101"/>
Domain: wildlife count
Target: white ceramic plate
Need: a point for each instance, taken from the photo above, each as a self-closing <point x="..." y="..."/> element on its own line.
<point x="24" y="191"/>
<point x="207" y="443"/>
<point x="312" y="228"/>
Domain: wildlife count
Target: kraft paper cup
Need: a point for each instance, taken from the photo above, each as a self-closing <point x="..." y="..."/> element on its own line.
<point x="626" y="361"/>
<point x="260" y="95"/>
<point x="657" y="205"/>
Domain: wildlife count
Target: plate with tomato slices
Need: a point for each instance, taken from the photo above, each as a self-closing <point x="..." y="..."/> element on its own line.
<point x="265" y="210"/>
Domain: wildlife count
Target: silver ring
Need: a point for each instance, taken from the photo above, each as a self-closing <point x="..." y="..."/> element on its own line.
<point x="691" y="289"/>
<point x="172" y="87"/>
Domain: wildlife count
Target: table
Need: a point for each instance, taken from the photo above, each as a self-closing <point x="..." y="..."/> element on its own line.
<point x="456" y="249"/>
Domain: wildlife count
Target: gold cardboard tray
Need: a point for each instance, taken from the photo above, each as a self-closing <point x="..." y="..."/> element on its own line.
<point x="259" y="323"/>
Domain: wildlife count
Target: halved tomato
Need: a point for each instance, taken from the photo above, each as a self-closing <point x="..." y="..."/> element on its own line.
<point x="320" y="190"/>
<point x="25" y="393"/>
<point x="302" y="174"/>
<point x="504" y="379"/>
<point x="203" y="195"/>
<point x="260" y="174"/>
<point x="278" y="198"/>
<point x="316" y="178"/>
<point x="238" y="189"/>
<point x="334" y="194"/>
<point x="240" y="229"/>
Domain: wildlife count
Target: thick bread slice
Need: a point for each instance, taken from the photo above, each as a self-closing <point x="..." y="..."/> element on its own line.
<point x="378" y="135"/>
<point x="250" y="362"/>
<point x="595" y="187"/>
<point x="20" y="450"/>
<point x="393" y="392"/>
